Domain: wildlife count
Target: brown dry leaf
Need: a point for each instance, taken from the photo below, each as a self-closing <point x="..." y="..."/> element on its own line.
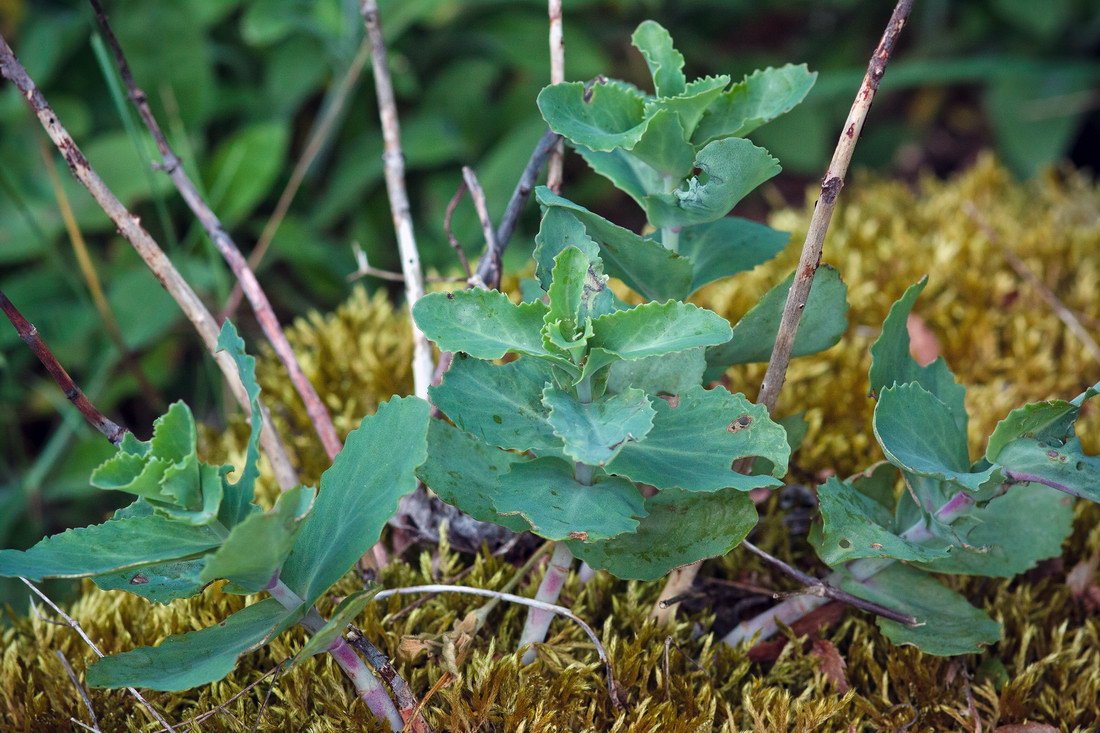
<point x="828" y="615"/>
<point x="411" y="647"/>
<point x="1026" y="728"/>
<point x="923" y="344"/>
<point x="833" y="665"/>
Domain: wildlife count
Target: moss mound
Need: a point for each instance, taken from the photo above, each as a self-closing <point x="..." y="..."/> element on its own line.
<point x="1001" y="338"/>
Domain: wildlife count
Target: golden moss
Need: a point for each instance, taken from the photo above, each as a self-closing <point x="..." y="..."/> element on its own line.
<point x="1000" y="337"/>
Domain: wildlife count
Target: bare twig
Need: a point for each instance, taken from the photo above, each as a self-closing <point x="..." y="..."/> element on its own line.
<point x="79" y="688"/>
<point x="557" y="76"/>
<point x="71" y="623"/>
<point x="823" y="211"/>
<point x="407" y="703"/>
<point x="394" y="167"/>
<point x="492" y="249"/>
<point x="449" y="231"/>
<point x="29" y="334"/>
<point x="509" y="597"/>
<point x="815" y="587"/>
<point x="261" y="306"/>
<point x="1068" y="317"/>
<point x="364" y="268"/>
<point x="190" y="722"/>
<point x="313" y="148"/>
<point x="267" y="696"/>
<point x="130" y="228"/>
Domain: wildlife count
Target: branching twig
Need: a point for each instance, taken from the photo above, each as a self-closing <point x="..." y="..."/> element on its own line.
<point x="394" y="167"/>
<point x="557" y="76"/>
<point x="261" y="306"/>
<point x="492" y="249"/>
<point x="130" y="228"/>
<point x="449" y="231"/>
<point x="815" y="587"/>
<point x="549" y="607"/>
<point x="79" y="688"/>
<point x="72" y="624"/>
<point x="29" y="334"/>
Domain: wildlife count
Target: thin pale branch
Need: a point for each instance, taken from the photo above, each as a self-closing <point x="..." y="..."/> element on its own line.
<point x="449" y="231"/>
<point x="29" y="334"/>
<point x="394" y="167"/>
<point x="557" y="76"/>
<point x="492" y="248"/>
<point x="72" y="624"/>
<point x="612" y="686"/>
<point x="261" y="306"/>
<point x="79" y="688"/>
<point x="129" y="226"/>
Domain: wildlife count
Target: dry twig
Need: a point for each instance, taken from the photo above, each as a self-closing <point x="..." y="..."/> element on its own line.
<point x="407" y="703"/>
<point x="79" y="688"/>
<point x="449" y="231"/>
<point x="492" y="249"/>
<point x="557" y="76"/>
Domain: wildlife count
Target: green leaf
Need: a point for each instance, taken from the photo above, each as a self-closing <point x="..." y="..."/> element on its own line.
<point x="643" y="264"/>
<point x="358" y="495"/>
<point x="559" y="231"/>
<point x="499" y="404"/>
<point x="665" y="374"/>
<point x="690" y="106"/>
<point x="557" y="507"/>
<point x="611" y="118"/>
<point x="1062" y="466"/>
<point x="115" y="545"/>
<point x="727" y="246"/>
<point x="949" y="624"/>
<point x="731" y="169"/>
<point x="759" y="98"/>
<point x="681" y="527"/>
<point x="918" y="433"/>
<point x="856" y="526"/>
<point x="666" y="64"/>
<point x="162" y="583"/>
<point x="346" y="612"/>
<point x="244" y="169"/>
<point x="1044" y="421"/>
<point x="664" y="146"/>
<point x="693" y="445"/>
<point x="824" y="320"/>
<point x="578" y="291"/>
<point x="892" y="364"/>
<point x="595" y="432"/>
<point x="652" y="329"/>
<point x="483" y="323"/>
<point x="1006" y="539"/>
<point x="464" y="472"/>
<point x="184" y="661"/>
<point x="629" y="174"/>
<point x="257" y="547"/>
<point x="237" y="503"/>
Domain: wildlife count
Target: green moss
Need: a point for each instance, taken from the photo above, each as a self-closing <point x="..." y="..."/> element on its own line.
<point x="1002" y="340"/>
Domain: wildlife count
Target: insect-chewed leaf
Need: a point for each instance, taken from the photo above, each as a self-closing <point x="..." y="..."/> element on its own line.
<point x="464" y="472"/>
<point x="693" y="445"/>
<point x="949" y="625"/>
<point x="343" y="615"/>
<point x="358" y="495"/>
<point x="1044" y="421"/>
<point x="161" y="583"/>
<point x="666" y="64"/>
<point x="756" y="100"/>
<point x="595" y="432"/>
<point x="681" y="527"/>
<point x="892" y="364"/>
<point x="183" y="661"/>
<point x="732" y="168"/>
<point x="665" y="374"/>
<point x="604" y="117"/>
<point x="545" y="493"/>
<point x="1064" y="466"/>
<point x="578" y="290"/>
<point x="824" y="320"/>
<point x="652" y="329"/>
<point x="728" y="246"/>
<point x="918" y="433"/>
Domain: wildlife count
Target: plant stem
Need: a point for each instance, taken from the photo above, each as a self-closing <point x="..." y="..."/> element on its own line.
<point x="368" y="687"/>
<point x="670" y="236"/>
<point x="538" y="619"/>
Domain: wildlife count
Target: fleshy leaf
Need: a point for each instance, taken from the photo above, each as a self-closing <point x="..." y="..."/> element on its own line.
<point x="690" y="106"/>
<point x="1062" y="466"/>
<point x="643" y="264"/>
<point x="892" y="364"/>
<point x="141" y="470"/>
<point x="557" y="507"/>
<point x="559" y="231"/>
<point x="664" y="146"/>
<point x="184" y="661"/>
<point x="499" y="404"/>
<point x="237" y="503"/>
<point x="731" y="168"/>
<point x="693" y="445"/>
<point x="727" y="246"/>
<point x="756" y="100"/>
<point x="824" y="320"/>
<point x="856" y="526"/>
<point x="666" y="64"/>
<point x="629" y="174"/>
<point x="665" y="374"/>
<point x="595" y="432"/>
<point x="115" y="545"/>
<point x="161" y="583"/>
<point x="918" y="433"/>
<point x="681" y="527"/>
<point x="652" y="329"/>
<point x="344" y="614"/>
<point x="610" y="117"/>
<point x="949" y="624"/>
<point x="464" y="472"/>
<point x="1040" y="420"/>
<point x="358" y="495"/>
<point x="578" y="291"/>
<point x="257" y="547"/>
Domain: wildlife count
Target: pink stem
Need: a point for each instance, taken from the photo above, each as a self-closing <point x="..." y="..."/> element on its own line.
<point x="538" y="621"/>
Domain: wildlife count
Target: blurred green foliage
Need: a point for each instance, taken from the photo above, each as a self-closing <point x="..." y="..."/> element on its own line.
<point x="239" y="85"/>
